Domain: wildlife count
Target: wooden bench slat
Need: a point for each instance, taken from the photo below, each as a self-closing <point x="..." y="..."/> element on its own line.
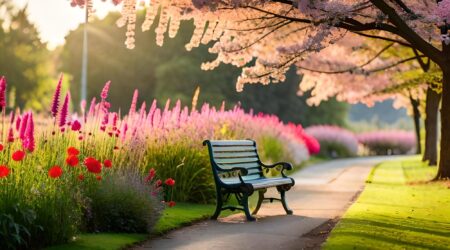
<point x="236" y="160"/>
<point x="234" y="149"/>
<point x="221" y="155"/>
<point x="239" y="165"/>
<point x="232" y="143"/>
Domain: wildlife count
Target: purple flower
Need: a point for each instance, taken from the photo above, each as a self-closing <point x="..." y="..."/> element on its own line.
<point x="55" y="102"/>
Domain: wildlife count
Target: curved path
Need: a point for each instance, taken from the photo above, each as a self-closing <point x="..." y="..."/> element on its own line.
<point x="322" y="192"/>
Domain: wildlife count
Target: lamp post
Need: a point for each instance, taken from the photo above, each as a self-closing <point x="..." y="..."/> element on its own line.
<point x="85" y="58"/>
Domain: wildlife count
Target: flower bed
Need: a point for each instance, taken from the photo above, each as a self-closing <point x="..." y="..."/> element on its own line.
<point x="334" y="141"/>
<point x="98" y="171"/>
<point x="388" y="142"/>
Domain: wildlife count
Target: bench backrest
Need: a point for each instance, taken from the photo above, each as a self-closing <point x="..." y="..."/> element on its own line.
<point x="228" y="154"/>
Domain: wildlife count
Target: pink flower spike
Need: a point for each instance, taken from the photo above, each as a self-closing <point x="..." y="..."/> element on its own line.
<point x="105" y="91"/>
<point x="23" y="126"/>
<point x="64" y="111"/>
<point x="56" y="95"/>
<point x="29" y="142"/>
<point x="134" y="102"/>
<point x="92" y="107"/>
<point x="2" y="93"/>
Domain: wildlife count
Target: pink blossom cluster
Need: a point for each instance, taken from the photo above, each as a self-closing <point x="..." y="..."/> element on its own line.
<point x="327" y="134"/>
<point x="388" y="142"/>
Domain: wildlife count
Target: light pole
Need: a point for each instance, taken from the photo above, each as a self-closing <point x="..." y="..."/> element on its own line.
<point x="85" y="58"/>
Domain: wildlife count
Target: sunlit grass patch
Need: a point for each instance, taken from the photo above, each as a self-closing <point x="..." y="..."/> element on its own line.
<point x="399" y="209"/>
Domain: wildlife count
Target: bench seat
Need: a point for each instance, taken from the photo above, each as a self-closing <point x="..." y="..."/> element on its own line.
<point x="261" y="182"/>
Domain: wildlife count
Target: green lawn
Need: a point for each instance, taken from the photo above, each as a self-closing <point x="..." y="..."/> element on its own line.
<point x="180" y="215"/>
<point x="103" y="241"/>
<point x="398" y="209"/>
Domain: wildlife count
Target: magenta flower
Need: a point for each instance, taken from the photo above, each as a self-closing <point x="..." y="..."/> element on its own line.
<point x="23" y="126"/>
<point x="55" y="102"/>
<point x="64" y="111"/>
<point x="76" y="125"/>
<point x="19" y="119"/>
<point x="11" y="135"/>
<point x="29" y="142"/>
<point x="2" y="93"/>
<point x="105" y="91"/>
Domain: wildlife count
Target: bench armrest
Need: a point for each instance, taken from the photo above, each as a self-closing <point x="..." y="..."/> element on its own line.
<point x="285" y="165"/>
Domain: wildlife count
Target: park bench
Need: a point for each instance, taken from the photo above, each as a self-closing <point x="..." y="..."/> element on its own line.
<point x="238" y="171"/>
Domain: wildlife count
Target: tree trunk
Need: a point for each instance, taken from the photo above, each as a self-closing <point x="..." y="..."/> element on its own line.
<point x="416" y="116"/>
<point x="444" y="163"/>
<point x="431" y="126"/>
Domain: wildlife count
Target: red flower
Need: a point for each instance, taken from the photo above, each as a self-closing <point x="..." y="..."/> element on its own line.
<point x="171" y="203"/>
<point x="80" y="177"/>
<point x="158" y="183"/>
<point x="107" y="163"/>
<point x="98" y="177"/>
<point x="73" y="151"/>
<point x="170" y="182"/>
<point x="72" y="160"/>
<point x="76" y="126"/>
<point x="151" y="175"/>
<point x="55" y="172"/>
<point x="93" y="165"/>
<point x="18" y="155"/>
<point x="4" y="171"/>
<point x="1" y="147"/>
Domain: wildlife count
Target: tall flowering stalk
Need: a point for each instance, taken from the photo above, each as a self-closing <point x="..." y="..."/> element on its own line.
<point x="3" y="103"/>
<point x="29" y="141"/>
<point x="56" y="96"/>
<point x="134" y="102"/>
<point x="64" y="112"/>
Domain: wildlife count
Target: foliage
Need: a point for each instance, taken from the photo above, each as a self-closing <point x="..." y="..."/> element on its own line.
<point x="388" y="142"/>
<point x="398" y="209"/>
<point x="25" y="59"/>
<point x="334" y="141"/>
<point x="122" y="203"/>
<point x="156" y="76"/>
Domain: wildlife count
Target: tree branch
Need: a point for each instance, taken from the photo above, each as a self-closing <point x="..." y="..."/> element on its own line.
<point x="383" y="38"/>
<point x="410" y="35"/>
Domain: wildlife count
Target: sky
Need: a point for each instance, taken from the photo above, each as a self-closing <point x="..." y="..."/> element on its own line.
<point x="55" y="18"/>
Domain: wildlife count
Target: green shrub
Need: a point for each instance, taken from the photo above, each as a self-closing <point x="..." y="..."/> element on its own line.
<point x="122" y="202"/>
<point x="189" y="166"/>
<point x="334" y="150"/>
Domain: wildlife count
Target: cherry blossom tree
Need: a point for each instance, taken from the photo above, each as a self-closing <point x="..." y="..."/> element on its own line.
<point x="266" y="37"/>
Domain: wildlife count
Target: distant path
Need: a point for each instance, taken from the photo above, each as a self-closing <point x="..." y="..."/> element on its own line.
<point x="322" y="192"/>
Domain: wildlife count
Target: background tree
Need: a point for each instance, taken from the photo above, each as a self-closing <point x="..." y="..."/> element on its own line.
<point x="25" y="60"/>
<point x="172" y="72"/>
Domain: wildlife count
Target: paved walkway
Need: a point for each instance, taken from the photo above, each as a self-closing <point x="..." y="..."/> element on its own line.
<point x="322" y="192"/>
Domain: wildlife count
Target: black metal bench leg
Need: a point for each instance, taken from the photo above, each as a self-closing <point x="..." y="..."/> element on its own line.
<point x="260" y="201"/>
<point x="219" y="204"/>
<point x="283" y="201"/>
<point x="244" y="203"/>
